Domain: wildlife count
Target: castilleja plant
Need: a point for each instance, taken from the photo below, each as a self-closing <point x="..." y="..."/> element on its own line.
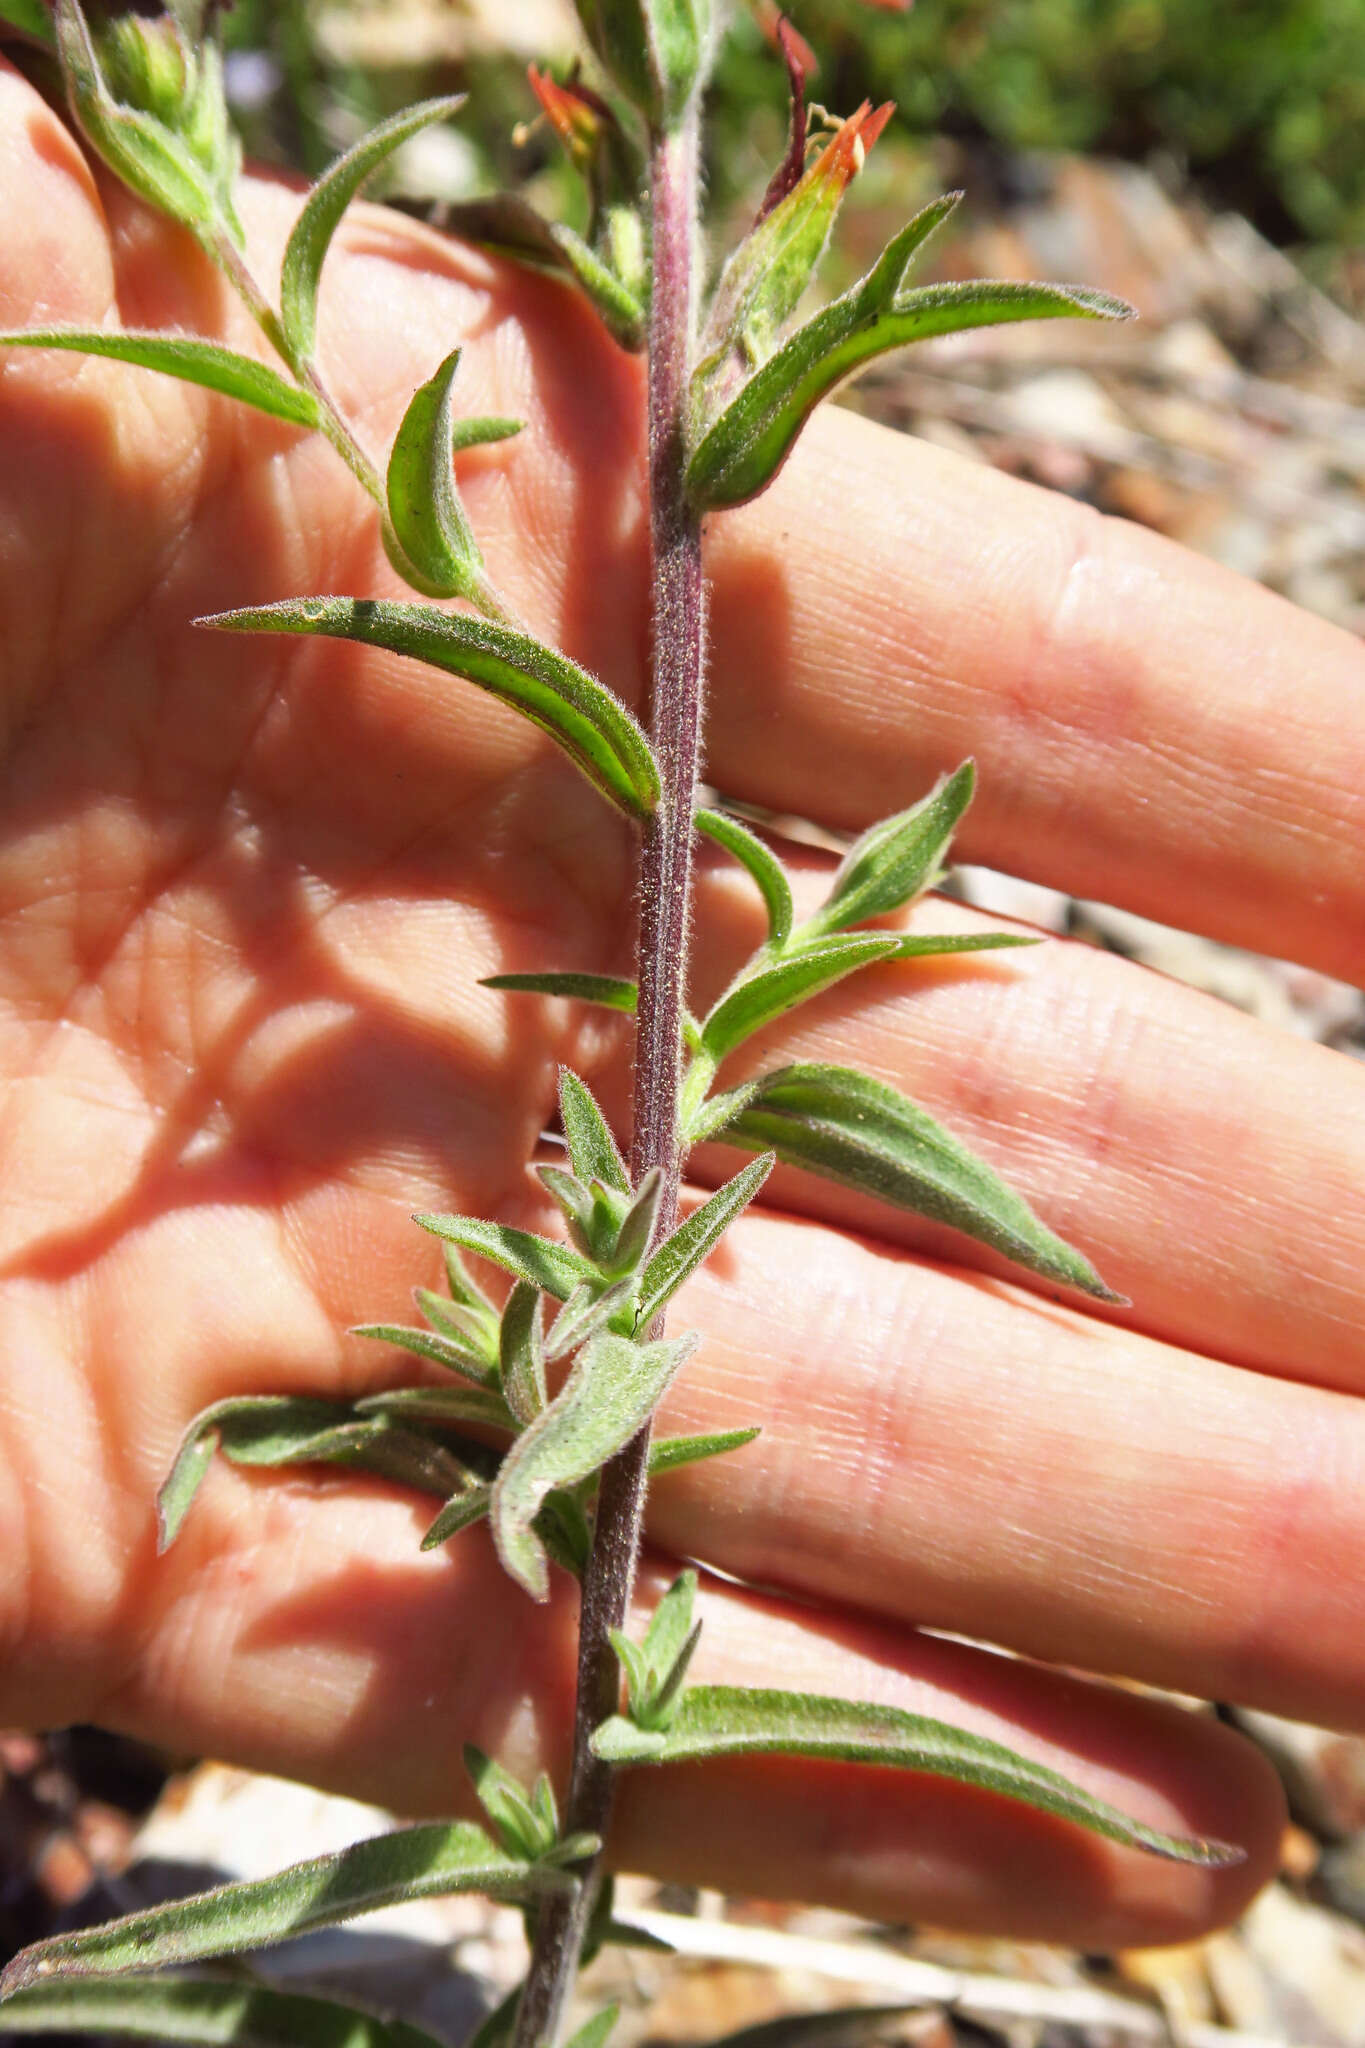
<point x="541" y="1427"/>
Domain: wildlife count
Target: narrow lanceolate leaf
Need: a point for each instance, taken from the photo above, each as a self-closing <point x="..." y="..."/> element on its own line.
<point x="194" y="361"/>
<point x="895" y="861"/>
<point x="766" y="869"/>
<point x="519" y="1826"/>
<point x="611" y="1392"/>
<point x="617" y="306"/>
<point x="593" y="2033"/>
<point x="596" y="732"/>
<point x="607" y="991"/>
<point x="555" y="1268"/>
<point x="588" y="1308"/>
<point x="760" y="996"/>
<point x="666" y="1453"/>
<point x="730" y="1720"/>
<point x="637" y="1225"/>
<point x="592" y="1148"/>
<point x="745" y="447"/>
<point x="327" y="202"/>
<point x="262" y="1429"/>
<point x="427" y="1861"/>
<point x="522" y="1356"/>
<point x="461" y="1511"/>
<point x="434" y="1344"/>
<point x="855" y="1130"/>
<point x="682" y="1252"/>
<point x="425" y="512"/>
<point x="207" y="2013"/>
<point x="928" y="945"/>
<point x="449" y="1407"/>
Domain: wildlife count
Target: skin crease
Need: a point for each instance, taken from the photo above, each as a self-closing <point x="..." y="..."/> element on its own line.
<point x="247" y="890"/>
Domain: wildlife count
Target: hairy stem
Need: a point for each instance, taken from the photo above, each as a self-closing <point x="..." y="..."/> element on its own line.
<point x="678" y="620"/>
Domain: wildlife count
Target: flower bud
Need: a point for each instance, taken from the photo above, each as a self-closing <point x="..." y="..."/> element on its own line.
<point x="655" y="50"/>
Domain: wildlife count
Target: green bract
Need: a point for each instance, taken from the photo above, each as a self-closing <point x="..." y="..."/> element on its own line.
<point x="655" y="50"/>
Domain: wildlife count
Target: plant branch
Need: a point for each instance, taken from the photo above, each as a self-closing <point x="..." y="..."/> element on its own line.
<point x="678" y="622"/>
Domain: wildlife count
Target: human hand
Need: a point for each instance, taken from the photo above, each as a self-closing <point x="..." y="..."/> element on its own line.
<point x="248" y="890"/>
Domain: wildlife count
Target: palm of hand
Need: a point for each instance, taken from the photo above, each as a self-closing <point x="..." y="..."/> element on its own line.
<point x="247" y="891"/>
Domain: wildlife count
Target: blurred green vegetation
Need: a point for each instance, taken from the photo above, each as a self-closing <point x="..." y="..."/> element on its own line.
<point x="1260" y="102"/>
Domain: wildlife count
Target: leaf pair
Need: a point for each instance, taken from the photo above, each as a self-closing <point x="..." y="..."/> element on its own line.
<point x="656" y="1668"/>
<point x="739" y="450"/>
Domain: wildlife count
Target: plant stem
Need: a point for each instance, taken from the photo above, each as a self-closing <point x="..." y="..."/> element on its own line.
<point x="678" y="621"/>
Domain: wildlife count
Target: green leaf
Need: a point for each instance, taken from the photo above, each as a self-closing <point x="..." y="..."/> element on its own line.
<point x="185" y="356"/>
<point x="522" y="1356"/>
<point x="865" y="1135"/>
<point x="637" y="1225"/>
<point x="634" y="1663"/>
<point x="210" y="2012"/>
<point x="447" y="1351"/>
<point x="576" y="1206"/>
<point x="897" y="860"/>
<point x="593" y="2032"/>
<point x="587" y="1309"/>
<point x="766" y="869"/>
<point x="759" y="996"/>
<point x="452" y="1407"/>
<point x="466" y="1293"/>
<point x="554" y="1268"/>
<point x="32" y="17"/>
<point x="427" y="1861"/>
<point x="666" y="1453"/>
<point x="746" y="446"/>
<point x="467" y="1506"/>
<point x="265" y="1429"/>
<point x="706" y="1118"/>
<point x="611" y="1392"/>
<point x="617" y="306"/>
<point x="595" y="731"/>
<point x="428" y="520"/>
<point x="516" y="1822"/>
<point x="592" y="1148"/>
<point x="605" y="990"/>
<point x="928" y="945"/>
<point x="682" y="1252"/>
<point x="670" y="1625"/>
<point x="664" y="1705"/>
<point x="328" y="200"/>
<point x="498" y="2029"/>
<point x="730" y="1720"/>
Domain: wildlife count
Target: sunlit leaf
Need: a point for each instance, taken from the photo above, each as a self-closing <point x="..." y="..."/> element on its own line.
<point x="555" y="1268"/>
<point x="597" y="733"/>
<point x="667" y="1453"/>
<point x="592" y="1148"/>
<point x="211" y="2012"/>
<point x="670" y="1625"/>
<point x="587" y="1309"/>
<point x="518" y="1825"/>
<point x="760" y="996"/>
<point x="895" y="861"/>
<point x="611" y="1392"/>
<point x="454" y="1355"/>
<point x="637" y="1225"/>
<point x="858" y="1131"/>
<point x="328" y="200"/>
<point x="464" y="1508"/>
<point x="766" y="869"/>
<point x="605" y="990"/>
<point x="522" y="1354"/>
<point x="593" y="2033"/>
<point x="427" y="1861"/>
<point x="683" y="1251"/>
<point x="930" y="945"/>
<point x="745" y="447"/>
<point x="425" y="514"/>
<point x="265" y="1429"/>
<point x="206" y="363"/>
<point x="730" y="1720"/>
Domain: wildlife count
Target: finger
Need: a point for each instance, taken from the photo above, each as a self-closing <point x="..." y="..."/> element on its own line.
<point x="1150" y="729"/>
<point x="941" y="1448"/>
<point x="299" y="1630"/>
<point x="1205" y="1163"/>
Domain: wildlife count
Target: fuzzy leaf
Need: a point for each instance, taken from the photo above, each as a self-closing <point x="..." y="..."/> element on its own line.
<point x="595" y="731"/>
<point x="517" y="1824"/>
<point x="592" y="1148"/>
<point x="449" y="1406"/>
<point x="427" y="1861"/>
<point x="730" y="1720"/>
<point x="264" y="1429"/>
<point x="469" y="1505"/>
<point x="929" y="945"/>
<point x="522" y="1356"/>
<point x="450" y="1352"/>
<point x="554" y="1268"/>
<point x="706" y="1119"/>
<point x="858" y="1131"/>
<point x="683" y="1251"/>
<point x="634" y="1663"/>
<point x="897" y="860"/>
<point x="637" y="1225"/>
<point x="207" y="2013"/>
<point x="605" y="990"/>
<point x="328" y="200"/>
<point x="185" y="356"/>
<point x="429" y="524"/>
<point x="470" y="1327"/>
<point x="666" y="1453"/>
<point x="670" y="1625"/>
<point x="466" y="1293"/>
<point x="759" y="996"/>
<point x="576" y="1206"/>
<point x="766" y="869"/>
<point x="586" y="1310"/>
<point x="746" y="446"/>
<point x="617" y="306"/>
<point x="611" y="1392"/>
<point x="664" y="1704"/>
